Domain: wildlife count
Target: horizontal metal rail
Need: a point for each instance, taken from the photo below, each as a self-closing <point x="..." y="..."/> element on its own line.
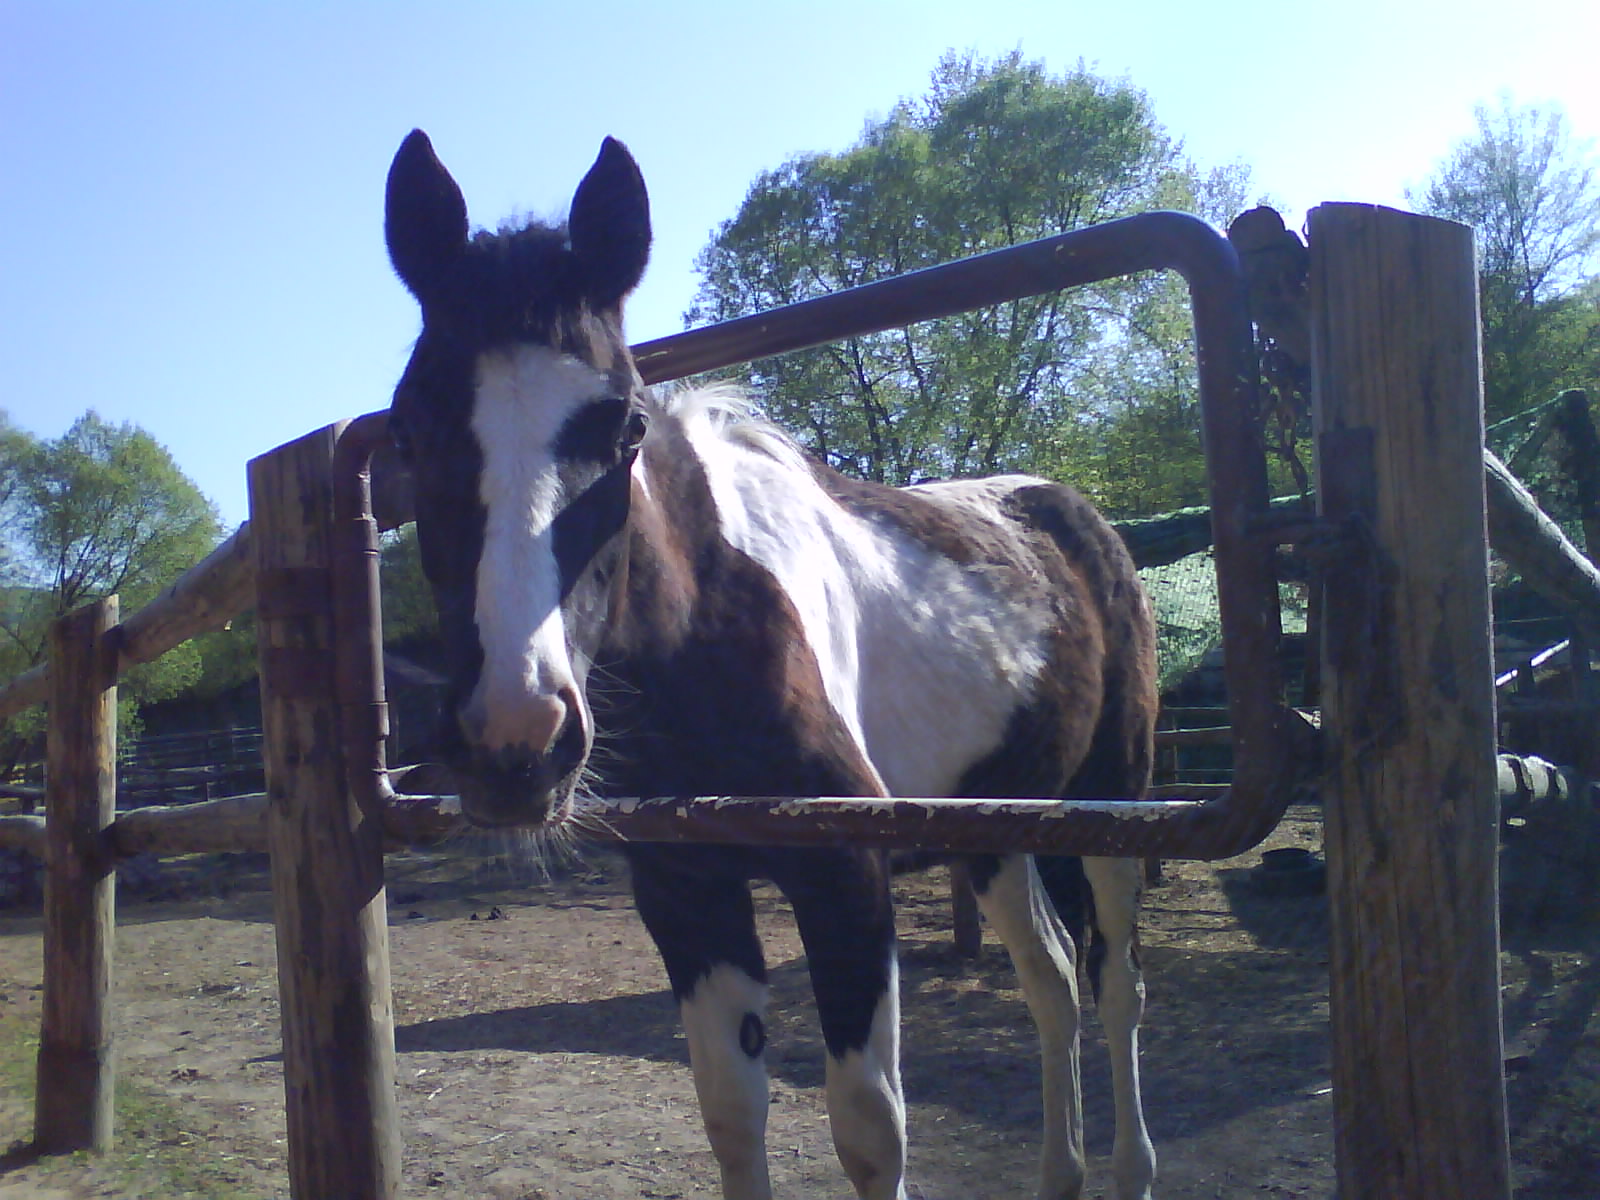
<point x="1109" y="828"/>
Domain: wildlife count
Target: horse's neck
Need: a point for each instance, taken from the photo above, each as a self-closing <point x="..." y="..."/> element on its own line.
<point x="672" y="532"/>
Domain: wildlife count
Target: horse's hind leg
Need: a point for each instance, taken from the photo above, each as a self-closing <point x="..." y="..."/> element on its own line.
<point x="845" y="915"/>
<point x="704" y="928"/>
<point x="1014" y="902"/>
<point x="1118" y="983"/>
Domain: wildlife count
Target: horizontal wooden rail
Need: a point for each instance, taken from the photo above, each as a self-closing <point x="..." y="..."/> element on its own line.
<point x="1212" y="735"/>
<point x="23" y="831"/>
<point x="1521" y="533"/>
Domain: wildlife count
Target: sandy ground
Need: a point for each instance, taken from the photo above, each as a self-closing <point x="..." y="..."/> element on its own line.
<point x="540" y="1059"/>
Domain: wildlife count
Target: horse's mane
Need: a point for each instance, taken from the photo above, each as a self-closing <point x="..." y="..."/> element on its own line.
<point x="725" y="410"/>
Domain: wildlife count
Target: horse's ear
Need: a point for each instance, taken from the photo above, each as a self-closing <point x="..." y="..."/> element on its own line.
<point x="424" y="219"/>
<point x="610" y="225"/>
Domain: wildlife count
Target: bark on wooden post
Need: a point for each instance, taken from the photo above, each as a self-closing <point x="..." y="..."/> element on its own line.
<point x="76" y="1061"/>
<point x="1408" y="707"/>
<point x="327" y="855"/>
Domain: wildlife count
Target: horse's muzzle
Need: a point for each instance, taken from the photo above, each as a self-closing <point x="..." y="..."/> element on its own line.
<point x="512" y="787"/>
<point x="518" y="764"/>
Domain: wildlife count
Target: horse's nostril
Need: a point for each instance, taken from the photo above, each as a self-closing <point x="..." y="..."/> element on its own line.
<point x="538" y="723"/>
<point x="568" y="751"/>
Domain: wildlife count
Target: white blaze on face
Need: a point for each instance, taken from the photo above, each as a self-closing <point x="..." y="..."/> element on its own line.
<point x="527" y="683"/>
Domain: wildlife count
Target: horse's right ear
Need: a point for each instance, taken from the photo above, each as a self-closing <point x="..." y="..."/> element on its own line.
<point x="424" y="219"/>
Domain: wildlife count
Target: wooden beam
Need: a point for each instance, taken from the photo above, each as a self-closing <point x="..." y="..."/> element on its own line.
<point x="327" y="860"/>
<point x="1210" y="735"/>
<point x="1536" y="546"/>
<point x="76" y="1049"/>
<point x="1159" y="540"/>
<point x="1411" y="813"/>
<point x="23" y="831"/>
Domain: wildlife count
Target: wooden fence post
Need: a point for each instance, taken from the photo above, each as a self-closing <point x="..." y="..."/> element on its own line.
<point x="76" y="1051"/>
<point x="966" y="921"/>
<point x="1408" y="704"/>
<point x="327" y="854"/>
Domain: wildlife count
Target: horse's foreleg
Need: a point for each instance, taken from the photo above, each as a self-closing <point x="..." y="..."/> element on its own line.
<point x="723" y="1021"/>
<point x="846" y="920"/>
<point x="705" y="930"/>
<point x="1119" y="995"/>
<point x="1015" y="905"/>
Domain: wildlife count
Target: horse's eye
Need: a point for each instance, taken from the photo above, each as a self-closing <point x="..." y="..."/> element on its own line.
<point x="596" y="432"/>
<point x="633" y="432"/>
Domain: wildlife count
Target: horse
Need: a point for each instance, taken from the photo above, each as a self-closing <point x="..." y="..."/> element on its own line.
<point x="644" y="594"/>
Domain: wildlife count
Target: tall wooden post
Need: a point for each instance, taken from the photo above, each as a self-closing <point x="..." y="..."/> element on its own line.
<point x="327" y="853"/>
<point x="76" y="1060"/>
<point x="1412" y="817"/>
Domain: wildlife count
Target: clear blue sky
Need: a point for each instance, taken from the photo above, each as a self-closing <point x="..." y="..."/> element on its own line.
<point x="191" y="193"/>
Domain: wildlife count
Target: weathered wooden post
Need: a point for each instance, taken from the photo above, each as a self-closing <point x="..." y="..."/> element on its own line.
<point x="327" y="850"/>
<point x="1408" y="704"/>
<point x="76" y="1060"/>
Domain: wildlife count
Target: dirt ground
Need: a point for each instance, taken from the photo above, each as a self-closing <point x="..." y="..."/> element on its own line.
<point x="540" y="1059"/>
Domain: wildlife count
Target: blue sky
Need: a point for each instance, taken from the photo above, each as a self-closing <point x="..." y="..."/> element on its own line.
<point x="191" y="193"/>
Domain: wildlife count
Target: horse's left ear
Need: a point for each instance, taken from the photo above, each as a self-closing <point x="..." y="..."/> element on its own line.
<point x="610" y="225"/>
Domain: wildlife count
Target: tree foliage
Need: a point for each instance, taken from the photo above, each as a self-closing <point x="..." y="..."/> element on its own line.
<point x="1532" y="193"/>
<point x="408" y="609"/>
<point x="995" y="154"/>
<point x="102" y="509"/>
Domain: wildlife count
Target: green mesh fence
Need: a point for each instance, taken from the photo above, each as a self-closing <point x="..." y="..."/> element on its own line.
<point x="1188" y="625"/>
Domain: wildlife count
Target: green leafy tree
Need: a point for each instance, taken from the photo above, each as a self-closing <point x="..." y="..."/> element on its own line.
<point x="995" y="154"/>
<point x="1531" y="191"/>
<point x="408" y="611"/>
<point x="103" y="509"/>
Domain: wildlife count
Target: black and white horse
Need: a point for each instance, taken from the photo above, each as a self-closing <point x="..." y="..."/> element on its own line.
<point x="657" y="596"/>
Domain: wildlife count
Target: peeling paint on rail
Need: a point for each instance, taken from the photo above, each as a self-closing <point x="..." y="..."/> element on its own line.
<point x="898" y="808"/>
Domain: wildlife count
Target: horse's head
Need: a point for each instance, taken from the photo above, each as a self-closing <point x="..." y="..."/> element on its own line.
<point x="520" y="415"/>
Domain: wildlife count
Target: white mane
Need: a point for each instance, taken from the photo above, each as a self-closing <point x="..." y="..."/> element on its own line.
<point x="725" y="411"/>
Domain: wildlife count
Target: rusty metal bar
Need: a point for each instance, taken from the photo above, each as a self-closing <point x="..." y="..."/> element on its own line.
<point x="1103" y="827"/>
<point x="363" y="711"/>
<point x="1268" y="747"/>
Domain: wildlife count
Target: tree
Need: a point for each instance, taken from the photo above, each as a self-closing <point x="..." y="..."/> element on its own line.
<point x="409" y="615"/>
<point x="103" y="509"/>
<point x="997" y="153"/>
<point x="1532" y="193"/>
